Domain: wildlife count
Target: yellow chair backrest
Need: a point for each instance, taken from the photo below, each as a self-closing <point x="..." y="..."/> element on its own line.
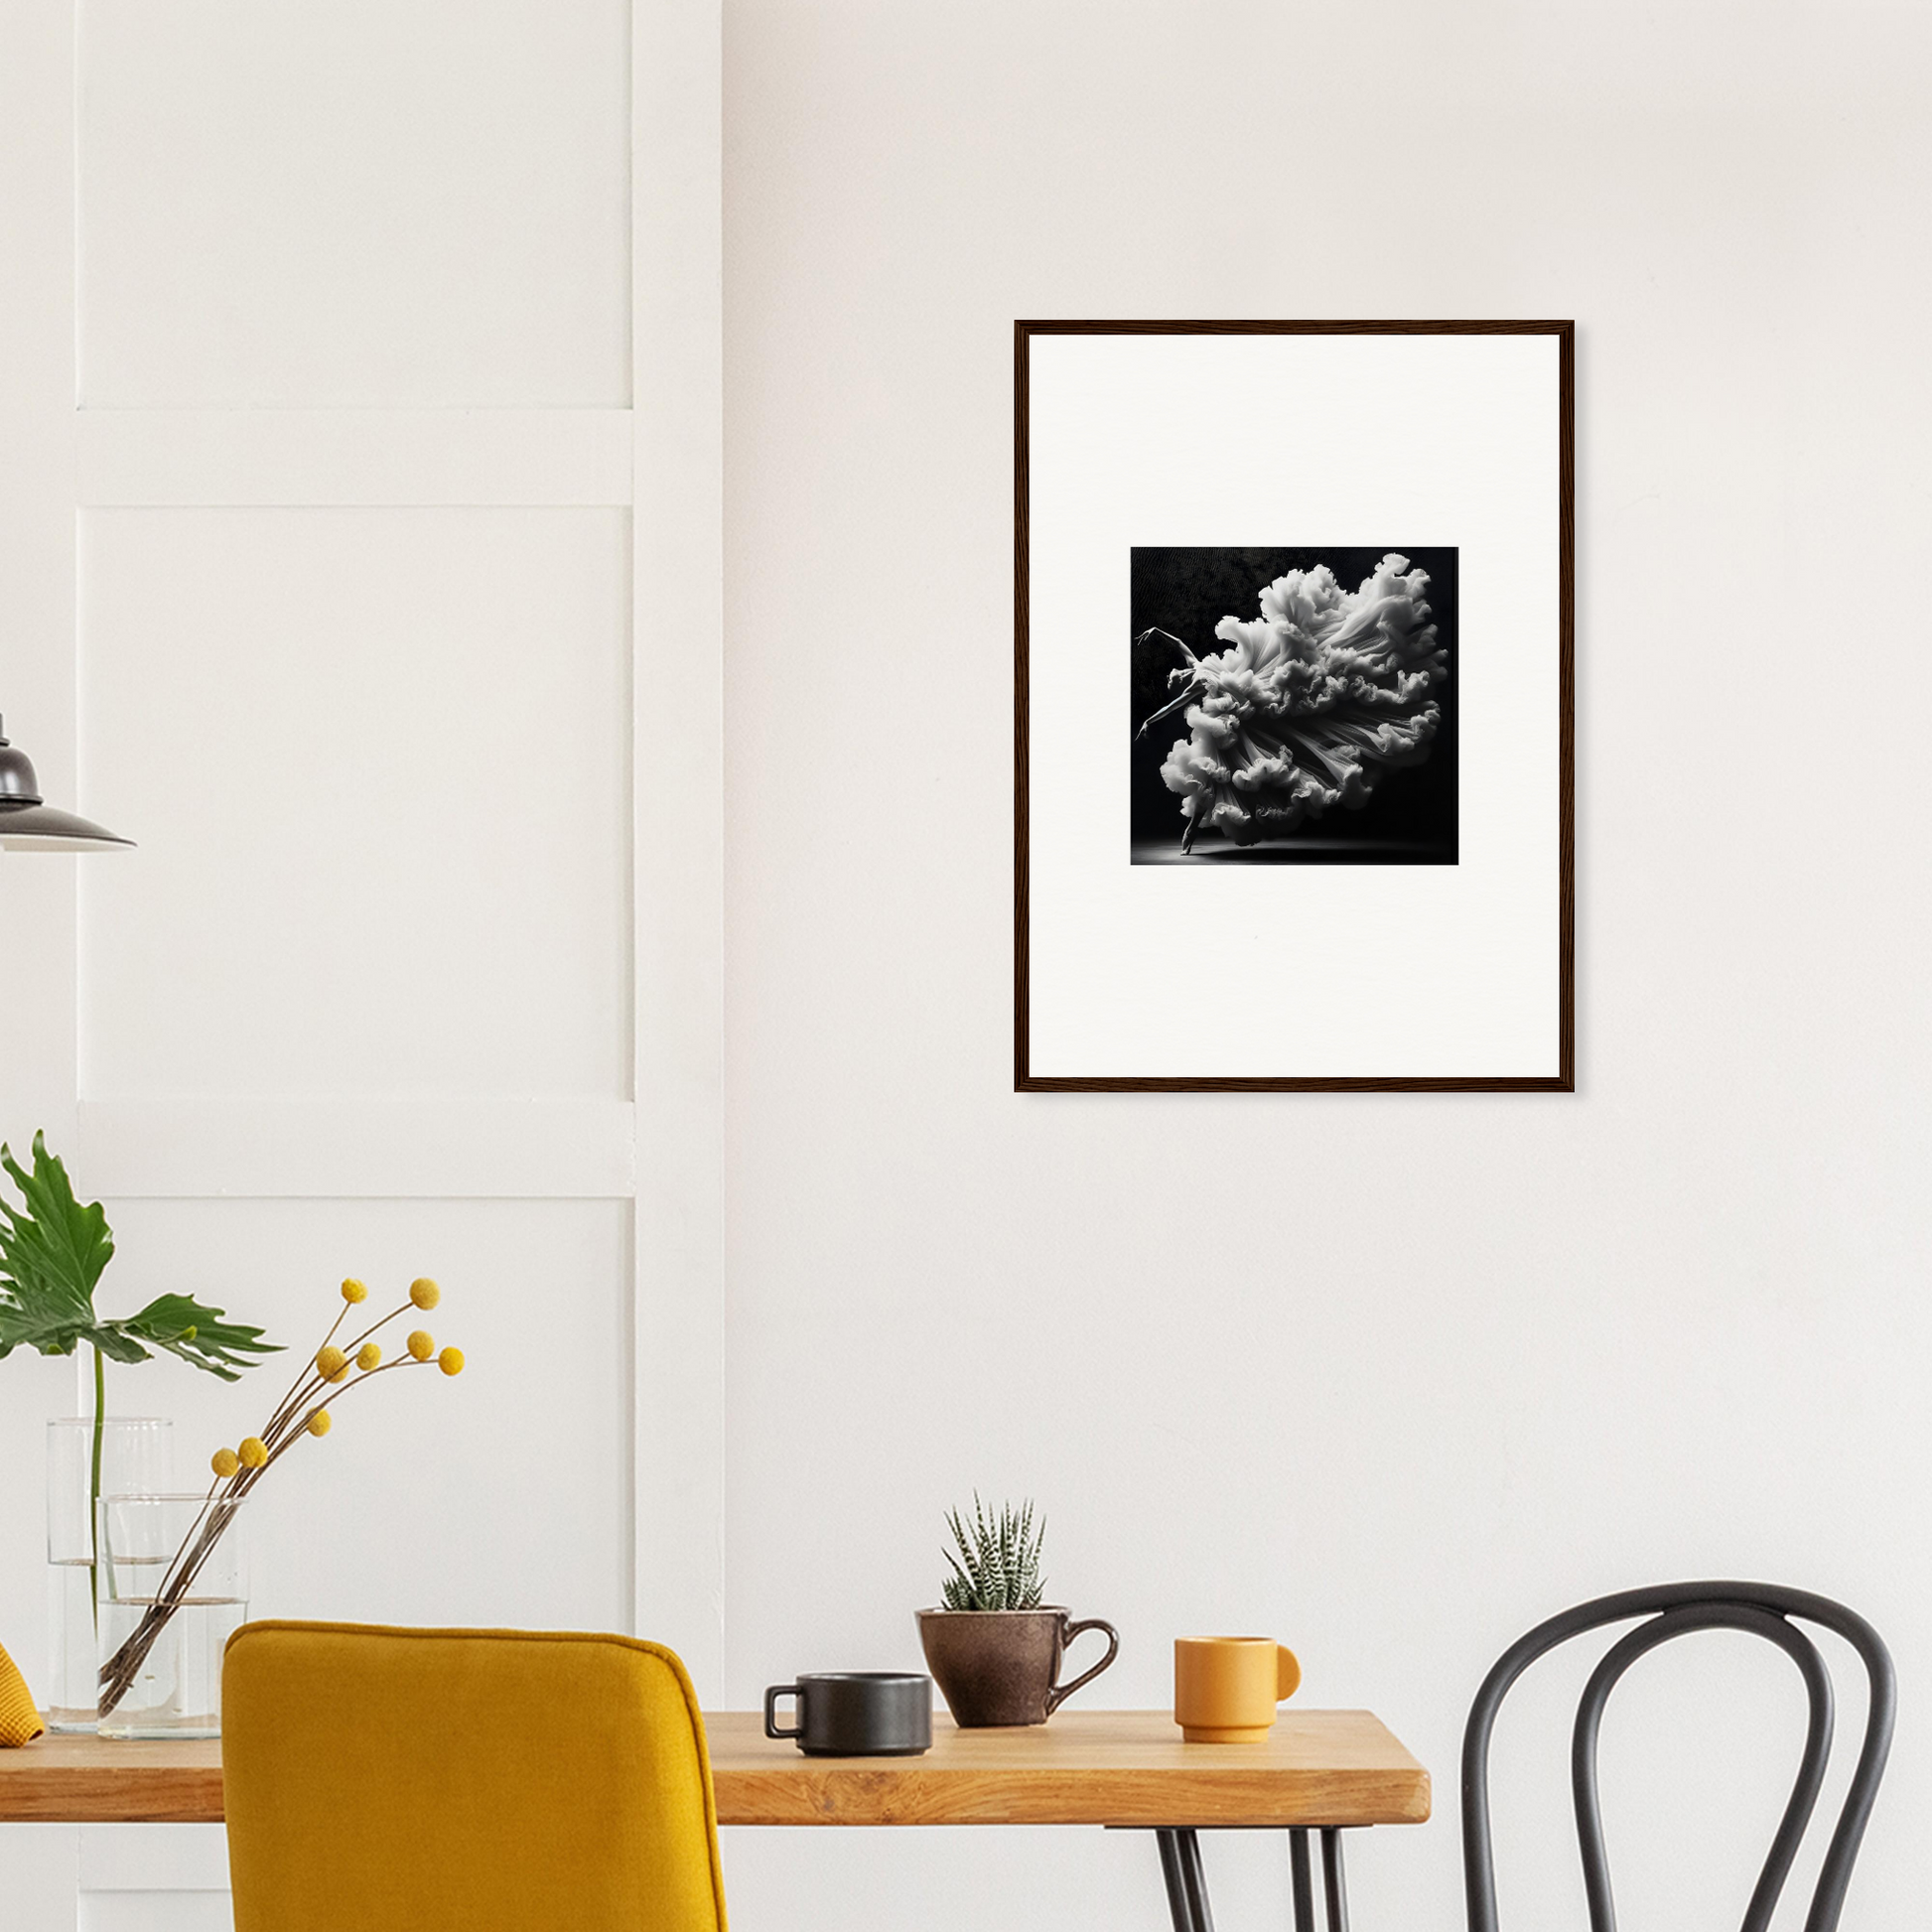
<point x="429" y="1779"/>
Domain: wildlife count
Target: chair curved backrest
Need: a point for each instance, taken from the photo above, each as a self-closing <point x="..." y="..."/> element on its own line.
<point x="1761" y="1609"/>
<point x="430" y="1780"/>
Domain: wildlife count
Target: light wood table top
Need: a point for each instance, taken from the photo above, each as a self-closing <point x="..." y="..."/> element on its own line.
<point x="1085" y="1767"/>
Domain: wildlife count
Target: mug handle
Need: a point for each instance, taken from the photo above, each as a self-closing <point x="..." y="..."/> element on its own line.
<point x="1288" y="1673"/>
<point x="771" y="1698"/>
<point x="1061" y="1692"/>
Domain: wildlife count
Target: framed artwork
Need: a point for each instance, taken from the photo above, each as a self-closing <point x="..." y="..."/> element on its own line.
<point x="1293" y="706"/>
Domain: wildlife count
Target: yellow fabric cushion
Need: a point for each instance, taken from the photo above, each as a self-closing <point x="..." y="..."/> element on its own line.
<point x="20" y="1722"/>
<point x="465" y="1780"/>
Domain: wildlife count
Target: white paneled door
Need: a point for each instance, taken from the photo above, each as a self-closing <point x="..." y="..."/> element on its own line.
<point x="360" y="549"/>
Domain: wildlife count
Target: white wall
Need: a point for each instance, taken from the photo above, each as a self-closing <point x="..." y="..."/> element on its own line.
<point x="358" y="522"/>
<point x="1389" y="1376"/>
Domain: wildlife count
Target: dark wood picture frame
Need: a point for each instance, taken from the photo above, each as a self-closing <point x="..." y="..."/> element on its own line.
<point x="1562" y="1081"/>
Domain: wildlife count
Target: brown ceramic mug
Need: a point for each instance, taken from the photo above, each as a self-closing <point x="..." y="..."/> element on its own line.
<point x="1002" y="1666"/>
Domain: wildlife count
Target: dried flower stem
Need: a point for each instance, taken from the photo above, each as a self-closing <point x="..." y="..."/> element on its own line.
<point x="290" y="1420"/>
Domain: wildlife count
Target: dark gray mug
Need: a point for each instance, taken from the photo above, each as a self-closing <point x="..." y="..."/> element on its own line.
<point x="856" y="1712"/>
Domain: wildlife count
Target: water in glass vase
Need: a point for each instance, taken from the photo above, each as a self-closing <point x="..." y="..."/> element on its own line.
<point x="176" y="1690"/>
<point x="133" y="1454"/>
<point x="173" y="1590"/>
<point x="71" y="1630"/>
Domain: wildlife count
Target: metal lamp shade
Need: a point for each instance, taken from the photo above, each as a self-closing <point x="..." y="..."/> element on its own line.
<point x="29" y="824"/>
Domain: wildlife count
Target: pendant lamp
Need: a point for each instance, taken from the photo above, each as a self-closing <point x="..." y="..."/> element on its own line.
<point x="29" y="825"/>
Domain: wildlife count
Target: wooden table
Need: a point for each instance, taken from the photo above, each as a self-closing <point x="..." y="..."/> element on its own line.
<point x="1319" y="1770"/>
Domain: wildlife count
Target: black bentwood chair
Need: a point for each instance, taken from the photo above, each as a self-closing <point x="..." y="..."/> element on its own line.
<point x="1761" y="1609"/>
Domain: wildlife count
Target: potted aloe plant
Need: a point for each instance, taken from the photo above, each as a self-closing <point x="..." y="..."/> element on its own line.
<point x="994" y="1645"/>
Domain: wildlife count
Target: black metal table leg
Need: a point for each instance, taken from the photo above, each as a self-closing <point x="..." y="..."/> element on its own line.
<point x="1186" y="1882"/>
<point x="1298" y="1865"/>
<point x="1181" y="1866"/>
<point x="1196" y="1880"/>
<point x="1170" y="1872"/>
<point x="1331" y="1879"/>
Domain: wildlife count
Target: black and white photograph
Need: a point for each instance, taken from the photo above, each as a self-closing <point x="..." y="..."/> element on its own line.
<point x="1294" y="706"/>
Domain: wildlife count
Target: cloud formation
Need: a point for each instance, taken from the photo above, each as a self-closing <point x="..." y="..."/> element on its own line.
<point x="1311" y="704"/>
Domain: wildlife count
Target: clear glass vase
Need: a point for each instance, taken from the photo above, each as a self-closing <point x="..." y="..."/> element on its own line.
<point x="173" y="1593"/>
<point x="135" y="1453"/>
<point x="174" y="1587"/>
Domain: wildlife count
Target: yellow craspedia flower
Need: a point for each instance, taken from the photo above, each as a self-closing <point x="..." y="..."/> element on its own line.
<point x="354" y="1291"/>
<point x="330" y="1361"/>
<point x="318" y="1424"/>
<point x="368" y="1356"/>
<point x="451" y="1361"/>
<point x="254" y="1452"/>
<point x="225" y="1463"/>
<point x="422" y="1344"/>
<point x="424" y="1293"/>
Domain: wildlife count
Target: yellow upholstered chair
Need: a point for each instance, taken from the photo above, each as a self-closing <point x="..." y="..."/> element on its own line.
<point x="382" y="1780"/>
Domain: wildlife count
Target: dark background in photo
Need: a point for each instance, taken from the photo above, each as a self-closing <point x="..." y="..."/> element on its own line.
<point x="1411" y="818"/>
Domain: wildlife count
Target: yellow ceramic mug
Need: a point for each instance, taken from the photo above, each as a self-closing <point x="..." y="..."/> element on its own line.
<point x="1225" y="1688"/>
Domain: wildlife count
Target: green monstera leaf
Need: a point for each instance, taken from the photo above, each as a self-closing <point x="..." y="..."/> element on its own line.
<point x="197" y="1333"/>
<point x="53" y="1251"/>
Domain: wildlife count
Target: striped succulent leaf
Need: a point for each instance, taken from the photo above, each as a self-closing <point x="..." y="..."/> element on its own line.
<point x="996" y="1560"/>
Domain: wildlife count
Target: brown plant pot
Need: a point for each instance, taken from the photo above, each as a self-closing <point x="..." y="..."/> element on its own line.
<point x="1000" y="1667"/>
